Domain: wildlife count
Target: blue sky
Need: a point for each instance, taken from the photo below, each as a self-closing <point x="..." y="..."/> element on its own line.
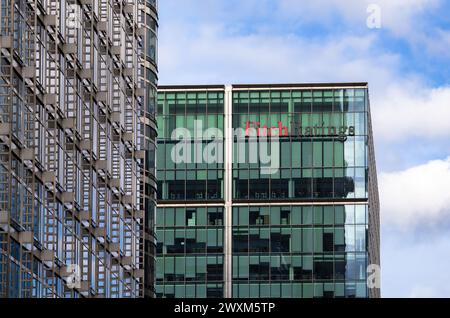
<point x="407" y="65"/>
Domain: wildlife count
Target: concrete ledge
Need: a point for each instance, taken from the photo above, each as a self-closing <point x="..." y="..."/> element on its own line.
<point x="83" y="216"/>
<point x="50" y="99"/>
<point x="140" y="92"/>
<point x="114" y="183"/>
<point x="70" y="48"/>
<point x="86" y="145"/>
<point x="102" y="26"/>
<point x="102" y="96"/>
<point x="26" y="237"/>
<point x="114" y="247"/>
<point x="127" y="199"/>
<point x="6" y="42"/>
<point x="86" y="2"/>
<point x="5" y="129"/>
<point x="48" y="176"/>
<point x="116" y="50"/>
<point x="4" y="217"/>
<point x="128" y="136"/>
<point x="50" y="20"/>
<point x="28" y="72"/>
<point x="141" y="31"/>
<point x="116" y="117"/>
<point x="85" y="74"/>
<point x="139" y="214"/>
<point x="128" y="71"/>
<point x="127" y="260"/>
<point x="27" y="154"/>
<point x="69" y="123"/>
<point x="67" y="197"/>
<point x="140" y="154"/>
<point x="128" y="8"/>
<point x="100" y="231"/>
<point x="101" y="165"/>
<point x="138" y="273"/>
<point x="47" y="256"/>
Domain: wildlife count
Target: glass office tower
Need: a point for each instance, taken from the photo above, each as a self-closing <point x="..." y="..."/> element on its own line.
<point x="190" y="217"/>
<point x="306" y="227"/>
<point x="77" y="129"/>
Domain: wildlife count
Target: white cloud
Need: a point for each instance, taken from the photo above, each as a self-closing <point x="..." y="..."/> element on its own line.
<point x="416" y="196"/>
<point x="401" y="17"/>
<point x="415" y="265"/>
<point x="209" y="53"/>
<point x="412" y="111"/>
<point x="423" y="292"/>
<point x="438" y="43"/>
<point x="408" y="20"/>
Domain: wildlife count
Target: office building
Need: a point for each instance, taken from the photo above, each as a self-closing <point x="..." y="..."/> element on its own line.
<point x="266" y="191"/>
<point x="77" y="128"/>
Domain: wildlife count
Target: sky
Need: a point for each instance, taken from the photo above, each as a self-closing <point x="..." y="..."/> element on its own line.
<point x="401" y="47"/>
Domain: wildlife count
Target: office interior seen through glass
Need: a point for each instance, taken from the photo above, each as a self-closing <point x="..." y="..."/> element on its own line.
<point x="77" y="146"/>
<point x="309" y="228"/>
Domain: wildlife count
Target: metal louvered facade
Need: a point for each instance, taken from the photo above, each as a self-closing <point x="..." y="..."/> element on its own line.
<point x="77" y="147"/>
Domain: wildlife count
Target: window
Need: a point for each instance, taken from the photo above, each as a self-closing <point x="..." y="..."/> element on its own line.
<point x="307" y="154"/>
<point x="328" y="242"/>
<point x="307" y="240"/>
<point x="323" y="270"/>
<point x="296" y="216"/>
<point x="191" y="217"/>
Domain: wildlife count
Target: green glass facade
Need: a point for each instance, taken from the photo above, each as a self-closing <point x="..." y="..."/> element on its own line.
<point x="299" y="251"/>
<point x="188" y="181"/>
<point x="190" y="243"/>
<point x="190" y="238"/>
<point x="310" y="228"/>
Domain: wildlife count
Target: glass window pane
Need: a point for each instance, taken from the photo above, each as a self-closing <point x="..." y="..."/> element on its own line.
<point x="307" y="240"/>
